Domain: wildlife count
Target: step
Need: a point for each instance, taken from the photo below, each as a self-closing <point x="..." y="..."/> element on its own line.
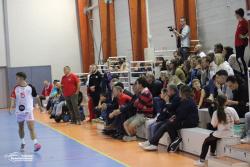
<point x="226" y="162"/>
<point x="239" y="151"/>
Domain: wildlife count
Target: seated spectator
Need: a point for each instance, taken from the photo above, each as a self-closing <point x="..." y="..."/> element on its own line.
<point x="164" y="78"/>
<point x="144" y="107"/>
<point x="227" y="52"/>
<point x="172" y="100"/>
<point x="195" y="72"/>
<point x="154" y="85"/>
<point x="218" y="48"/>
<point x="54" y="93"/>
<point x="176" y="81"/>
<point x="122" y="99"/>
<point x="240" y="95"/>
<point x="180" y="72"/>
<point x="223" y="119"/>
<point x="246" y="139"/>
<point x="185" y="116"/>
<point x="234" y="64"/>
<point x="100" y="110"/>
<point x="46" y="91"/>
<point x="198" y="51"/>
<point x="212" y="65"/>
<point x="205" y="71"/>
<point x="222" y="64"/>
<point x="199" y="93"/>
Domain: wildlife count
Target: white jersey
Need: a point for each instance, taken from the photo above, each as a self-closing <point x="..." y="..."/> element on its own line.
<point x="24" y="98"/>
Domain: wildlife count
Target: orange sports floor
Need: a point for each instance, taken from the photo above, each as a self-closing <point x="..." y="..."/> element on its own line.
<point x="129" y="154"/>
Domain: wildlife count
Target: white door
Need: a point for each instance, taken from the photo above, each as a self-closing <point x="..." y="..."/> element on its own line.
<point x="3" y="88"/>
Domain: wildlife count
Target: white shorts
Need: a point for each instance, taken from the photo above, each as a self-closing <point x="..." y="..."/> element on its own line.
<point x="25" y="116"/>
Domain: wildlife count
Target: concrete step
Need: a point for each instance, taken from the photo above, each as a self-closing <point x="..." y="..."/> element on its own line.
<point x="239" y="151"/>
<point x="226" y="162"/>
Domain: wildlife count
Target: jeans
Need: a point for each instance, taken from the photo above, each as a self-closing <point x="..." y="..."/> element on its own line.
<point x="184" y="52"/>
<point x="153" y="128"/>
<point x="240" y="50"/>
<point x="72" y="104"/>
<point x="209" y="141"/>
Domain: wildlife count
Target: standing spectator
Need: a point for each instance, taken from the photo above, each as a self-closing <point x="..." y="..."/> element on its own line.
<point x="183" y="39"/>
<point x="240" y="95"/>
<point x="198" y="51"/>
<point x="71" y="87"/>
<point x="241" y="38"/>
<point x="46" y="91"/>
<point x="94" y="89"/>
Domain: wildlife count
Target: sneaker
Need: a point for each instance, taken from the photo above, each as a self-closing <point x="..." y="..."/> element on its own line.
<point x="245" y="140"/>
<point x="173" y="147"/>
<point x="37" y="147"/>
<point x="199" y="163"/>
<point x="144" y="144"/>
<point x="151" y="148"/>
<point x="78" y="123"/>
<point x="129" y="138"/>
<point x="22" y="147"/>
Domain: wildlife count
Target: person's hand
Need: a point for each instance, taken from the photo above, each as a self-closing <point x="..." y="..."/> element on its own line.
<point x="218" y="86"/>
<point x="104" y="106"/>
<point x="167" y="98"/>
<point x="92" y="88"/>
<point x="111" y="115"/>
<point x="172" y="119"/>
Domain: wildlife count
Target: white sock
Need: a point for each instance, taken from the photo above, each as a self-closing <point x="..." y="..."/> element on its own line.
<point x="35" y="141"/>
<point x="22" y="141"/>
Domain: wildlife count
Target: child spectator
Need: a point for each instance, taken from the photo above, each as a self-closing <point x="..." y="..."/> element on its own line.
<point x="100" y="110"/>
<point x="223" y="119"/>
<point x="199" y="93"/>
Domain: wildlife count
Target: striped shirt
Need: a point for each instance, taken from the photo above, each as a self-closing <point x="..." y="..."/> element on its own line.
<point x="144" y="103"/>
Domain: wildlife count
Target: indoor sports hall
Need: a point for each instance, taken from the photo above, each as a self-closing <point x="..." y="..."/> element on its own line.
<point x="124" y="83"/>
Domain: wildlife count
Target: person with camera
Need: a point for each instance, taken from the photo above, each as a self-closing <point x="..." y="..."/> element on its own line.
<point x="183" y="39"/>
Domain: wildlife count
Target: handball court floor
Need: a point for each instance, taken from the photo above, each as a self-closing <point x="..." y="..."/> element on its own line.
<point x="66" y="145"/>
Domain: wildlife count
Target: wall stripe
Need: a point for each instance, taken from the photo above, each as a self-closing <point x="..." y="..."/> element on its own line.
<point x="138" y="24"/>
<point x="86" y="36"/>
<point x="108" y="31"/>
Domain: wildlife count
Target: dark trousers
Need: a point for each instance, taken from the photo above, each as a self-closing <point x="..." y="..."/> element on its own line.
<point x="41" y="100"/>
<point x="120" y="119"/>
<point x="240" y="50"/>
<point x="172" y="129"/>
<point x="209" y="141"/>
<point x="49" y="104"/>
<point x="184" y="52"/>
<point x="72" y="104"/>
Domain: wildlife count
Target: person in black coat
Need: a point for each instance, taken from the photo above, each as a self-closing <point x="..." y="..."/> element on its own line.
<point x="240" y="95"/>
<point x="154" y="85"/>
<point x="185" y="116"/>
<point x="94" y="88"/>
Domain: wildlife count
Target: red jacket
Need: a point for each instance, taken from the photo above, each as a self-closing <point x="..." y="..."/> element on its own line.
<point x="47" y="90"/>
<point x="144" y="103"/>
<point x="242" y="29"/>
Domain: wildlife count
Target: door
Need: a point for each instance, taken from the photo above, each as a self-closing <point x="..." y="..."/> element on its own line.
<point x="3" y="88"/>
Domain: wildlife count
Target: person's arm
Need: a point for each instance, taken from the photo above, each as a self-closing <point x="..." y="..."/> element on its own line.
<point x="201" y="98"/>
<point x="11" y="105"/>
<point x="36" y="96"/>
<point x="214" y="120"/>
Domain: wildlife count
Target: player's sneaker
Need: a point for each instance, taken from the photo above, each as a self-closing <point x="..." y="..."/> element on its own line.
<point x="22" y="147"/>
<point x="37" y="147"/>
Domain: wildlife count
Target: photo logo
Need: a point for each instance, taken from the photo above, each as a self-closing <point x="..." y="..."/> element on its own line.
<point x="19" y="157"/>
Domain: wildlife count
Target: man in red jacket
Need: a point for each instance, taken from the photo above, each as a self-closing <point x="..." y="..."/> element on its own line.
<point x="241" y="38"/>
<point x="71" y="87"/>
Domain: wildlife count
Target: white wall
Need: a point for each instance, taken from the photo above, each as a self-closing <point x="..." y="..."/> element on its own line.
<point x="216" y="21"/>
<point x="123" y="31"/>
<point x="44" y="32"/>
<point x="161" y="15"/>
<point x="2" y="37"/>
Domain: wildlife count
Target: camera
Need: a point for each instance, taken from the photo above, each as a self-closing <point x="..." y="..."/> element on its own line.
<point x="170" y="28"/>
